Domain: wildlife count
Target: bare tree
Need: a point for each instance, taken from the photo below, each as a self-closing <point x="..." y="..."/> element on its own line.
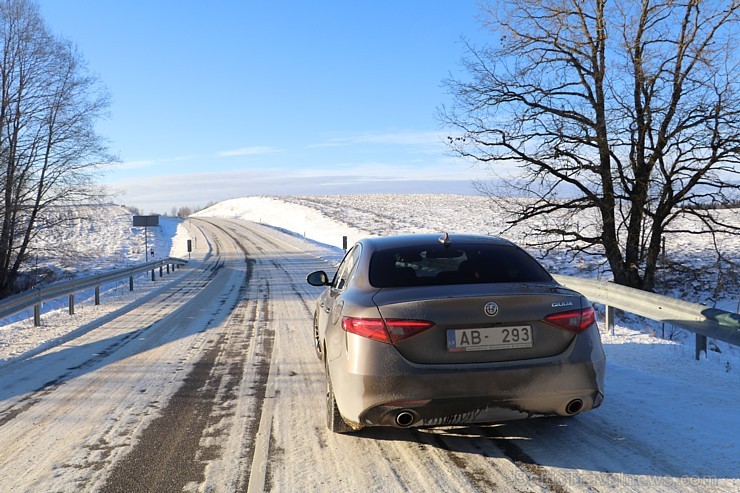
<point x="49" y="150"/>
<point x="627" y="109"/>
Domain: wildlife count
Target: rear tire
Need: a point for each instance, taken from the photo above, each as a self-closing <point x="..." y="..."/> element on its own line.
<point x="334" y="420"/>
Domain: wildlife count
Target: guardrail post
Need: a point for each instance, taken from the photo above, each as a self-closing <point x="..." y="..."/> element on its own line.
<point x="701" y="345"/>
<point x="37" y="314"/>
<point x="610" y="318"/>
<point x="71" y="304"/>
<point x="152" y="274"/>
<point x="97" y="295"/>
<point x="160" y="271"/>
<point x="131" y="282"/>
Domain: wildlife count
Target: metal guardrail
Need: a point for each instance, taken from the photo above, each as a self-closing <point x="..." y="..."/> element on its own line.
<point x="699" y="319"/>
<point x="34" y="297"/>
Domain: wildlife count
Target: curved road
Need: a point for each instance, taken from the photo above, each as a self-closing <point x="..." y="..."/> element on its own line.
<point x="211" y="384"/>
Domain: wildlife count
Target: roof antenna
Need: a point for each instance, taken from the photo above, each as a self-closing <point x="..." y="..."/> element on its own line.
<point x="445" y="240"/>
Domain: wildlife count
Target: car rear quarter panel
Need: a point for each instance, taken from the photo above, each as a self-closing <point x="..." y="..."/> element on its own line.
<point x="355" y="303"/>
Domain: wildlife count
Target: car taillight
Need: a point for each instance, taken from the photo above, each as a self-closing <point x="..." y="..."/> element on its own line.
<point x="400" y="329"/>
<point x="389" y="331"/>
<point x="372" y="328"/>
<point x="575" y="321"/>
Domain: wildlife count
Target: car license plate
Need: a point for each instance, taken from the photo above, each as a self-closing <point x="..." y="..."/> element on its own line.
<point x="489" y="338"/>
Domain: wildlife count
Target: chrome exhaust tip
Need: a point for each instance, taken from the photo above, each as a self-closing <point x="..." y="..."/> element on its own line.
<point x="405" y="418"/>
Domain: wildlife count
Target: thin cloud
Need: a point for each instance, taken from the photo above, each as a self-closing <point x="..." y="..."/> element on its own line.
<point x="147" y="163"/>
<point x="200" y="188"/>
<point x="249" y="151"/>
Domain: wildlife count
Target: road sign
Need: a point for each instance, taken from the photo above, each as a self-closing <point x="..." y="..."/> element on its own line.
<point x="146" y="221"/>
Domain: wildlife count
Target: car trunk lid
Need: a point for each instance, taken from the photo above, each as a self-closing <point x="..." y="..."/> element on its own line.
<point x="481" y="323"/>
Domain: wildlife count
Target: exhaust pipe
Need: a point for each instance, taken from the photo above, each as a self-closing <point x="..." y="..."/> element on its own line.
<point x="574" y="407"/>
<point x="405" y="418"/>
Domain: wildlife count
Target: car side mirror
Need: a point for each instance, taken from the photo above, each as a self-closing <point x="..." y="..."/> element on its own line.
<point x="318" y="278"/>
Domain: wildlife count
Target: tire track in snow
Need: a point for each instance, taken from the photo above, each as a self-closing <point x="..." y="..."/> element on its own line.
<point x="195" y="412"/>
<point x="256" y="430"/>
<point x="204" y="405"/>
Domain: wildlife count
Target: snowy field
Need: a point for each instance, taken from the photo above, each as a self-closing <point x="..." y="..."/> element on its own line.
<point x="641" y="368"/>
<point x="100" y="238"/>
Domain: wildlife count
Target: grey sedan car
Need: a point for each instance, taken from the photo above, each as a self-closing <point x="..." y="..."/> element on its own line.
<point x="423" y="330"/>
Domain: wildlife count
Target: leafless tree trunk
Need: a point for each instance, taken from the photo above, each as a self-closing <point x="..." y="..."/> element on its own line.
<point x="49" y="150"/>
<point x="627" y="109"/>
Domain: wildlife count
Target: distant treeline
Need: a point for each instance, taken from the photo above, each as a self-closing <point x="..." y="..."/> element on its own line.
<point x="733" y="204"/>
<point x="175" y="211"/>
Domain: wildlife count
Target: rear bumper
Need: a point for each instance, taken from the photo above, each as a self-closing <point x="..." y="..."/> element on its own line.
<point x="372" y="389"/>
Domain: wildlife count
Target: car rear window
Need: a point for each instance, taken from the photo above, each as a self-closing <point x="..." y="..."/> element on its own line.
<point x="467" y="264"/>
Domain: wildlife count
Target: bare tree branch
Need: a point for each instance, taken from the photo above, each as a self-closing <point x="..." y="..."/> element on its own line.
<point x="49" y="151"/>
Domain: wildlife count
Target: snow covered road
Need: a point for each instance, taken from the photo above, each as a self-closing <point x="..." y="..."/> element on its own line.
<point x="211" y="384"/>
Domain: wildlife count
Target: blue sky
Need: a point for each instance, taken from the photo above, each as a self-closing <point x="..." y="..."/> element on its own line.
<point x="214" y="100"/>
